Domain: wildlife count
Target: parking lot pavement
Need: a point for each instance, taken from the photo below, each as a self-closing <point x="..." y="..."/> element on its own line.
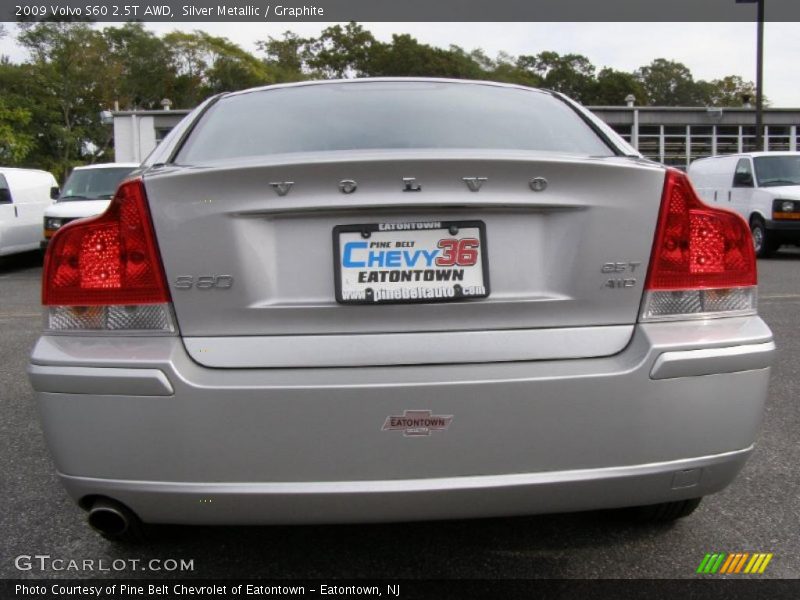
<point x="760" y="512"/>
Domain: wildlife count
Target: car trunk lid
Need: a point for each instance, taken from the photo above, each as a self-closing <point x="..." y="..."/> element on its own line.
<point x="566" y="263"/>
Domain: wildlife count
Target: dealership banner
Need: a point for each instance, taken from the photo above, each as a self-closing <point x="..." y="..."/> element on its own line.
<point x="406" y="589"/>
<point x="396" y="10"/>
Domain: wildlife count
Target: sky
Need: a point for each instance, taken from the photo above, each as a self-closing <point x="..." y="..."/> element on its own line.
<point x="710" y="50"/>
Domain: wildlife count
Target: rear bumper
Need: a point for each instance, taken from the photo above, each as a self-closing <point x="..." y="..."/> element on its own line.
<point x="415" y="499"/>
<point x="673" y="416"/>
<point x="787" y="232"/>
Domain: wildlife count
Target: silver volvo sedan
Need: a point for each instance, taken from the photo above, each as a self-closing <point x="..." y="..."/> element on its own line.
<point x="398" y="299"/>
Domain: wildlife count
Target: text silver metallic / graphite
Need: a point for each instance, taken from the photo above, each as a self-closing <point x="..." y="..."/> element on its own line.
<point x="251" y="10"/>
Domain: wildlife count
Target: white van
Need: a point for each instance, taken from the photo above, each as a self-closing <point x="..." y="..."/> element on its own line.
<point x="24" y="196"/>
<point x="87" y="192"/>
<point x="763" y="187"/>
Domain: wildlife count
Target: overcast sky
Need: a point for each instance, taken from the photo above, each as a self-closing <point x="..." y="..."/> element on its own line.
<point x="710" y="50"/>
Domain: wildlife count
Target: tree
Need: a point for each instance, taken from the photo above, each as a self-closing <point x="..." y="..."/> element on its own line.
<point x="142" y="67"/>
<point x="570" y="74"/>
<point x="507" y="69"/>
<point x="340" y="52"/>
<point x="612" y="87"/>
<point x="406" y="57"/>
<point x="67" y="76"/>
<point x="19" y="142"/>
<point x="206" y="65"/>
<point x="669" y="83"/>
<point x="730" y="91"/>
<point x="232" y="68"/>
<point x="285" y="56"/>
<point x="15" y="143"/>
<point x="50" y="103"/>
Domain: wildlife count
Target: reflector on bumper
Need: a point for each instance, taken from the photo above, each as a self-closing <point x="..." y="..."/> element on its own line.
<point x="150" y="318"/>
<point x="665" y="305"/>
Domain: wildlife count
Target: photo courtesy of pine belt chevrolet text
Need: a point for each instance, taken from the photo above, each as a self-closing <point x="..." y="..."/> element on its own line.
<point x="392" y="300"/>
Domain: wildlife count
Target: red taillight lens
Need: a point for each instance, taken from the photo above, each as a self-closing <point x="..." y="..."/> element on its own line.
<point x="111" y="259"/>
<point x="698" y="246"/>
<point x="703" y="263"/>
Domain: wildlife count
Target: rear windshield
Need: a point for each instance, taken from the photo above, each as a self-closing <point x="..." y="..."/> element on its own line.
<point x="778" y="170"/>
<point x="388" y="115"/>
<point x="93" y="184"/>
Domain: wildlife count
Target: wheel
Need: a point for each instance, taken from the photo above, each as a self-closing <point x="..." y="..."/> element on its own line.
<point x="665" y="512"/>
<point x="763" y="243"/>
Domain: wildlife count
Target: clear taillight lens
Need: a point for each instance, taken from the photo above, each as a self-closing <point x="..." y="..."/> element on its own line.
<point x="703" y="263"/>
<point x="105" y="273"/>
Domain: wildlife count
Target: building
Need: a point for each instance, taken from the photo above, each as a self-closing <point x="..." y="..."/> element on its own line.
<point x="137" y="132"/>
<point x="674" y="136"/>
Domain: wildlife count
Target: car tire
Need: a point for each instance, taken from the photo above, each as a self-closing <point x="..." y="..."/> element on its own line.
<point x="665" y="512"/>
<point x="763" y="243"/>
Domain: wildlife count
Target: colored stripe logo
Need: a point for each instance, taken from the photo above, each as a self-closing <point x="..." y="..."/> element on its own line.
<point x="720" y="563"/>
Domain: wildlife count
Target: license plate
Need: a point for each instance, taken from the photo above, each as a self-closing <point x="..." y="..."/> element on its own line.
<point x="382" y="263"/>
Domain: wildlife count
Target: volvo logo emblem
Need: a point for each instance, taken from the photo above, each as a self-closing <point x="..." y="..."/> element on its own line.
<point x="347" y="186"/>
<point x="538" y="184"/>
<point x="474" y="183"/>
<point x="410" y="185"/>
<point x="282" y="187"/>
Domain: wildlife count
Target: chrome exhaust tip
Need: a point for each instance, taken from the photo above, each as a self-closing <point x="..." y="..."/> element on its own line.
<point x="110" y="518"/>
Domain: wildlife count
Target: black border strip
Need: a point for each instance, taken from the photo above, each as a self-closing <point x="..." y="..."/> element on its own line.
<point x="707" y="587"/>
<point x="328" y="11"/>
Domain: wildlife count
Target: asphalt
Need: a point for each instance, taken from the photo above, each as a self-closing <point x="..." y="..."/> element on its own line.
<point x="759" y="512"/>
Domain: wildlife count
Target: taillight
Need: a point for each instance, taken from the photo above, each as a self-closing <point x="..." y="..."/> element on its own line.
<point x="105" y="273"/>
<point x="703" y="263"/>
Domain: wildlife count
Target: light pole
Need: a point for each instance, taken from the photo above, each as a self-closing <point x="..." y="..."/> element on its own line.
<point x="759" y="71"/>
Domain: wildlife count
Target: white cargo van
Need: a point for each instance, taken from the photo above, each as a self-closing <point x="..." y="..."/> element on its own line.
<point x="24" y="196"/>
<point x="87" y="192"/>
<point x="763" y="187"/>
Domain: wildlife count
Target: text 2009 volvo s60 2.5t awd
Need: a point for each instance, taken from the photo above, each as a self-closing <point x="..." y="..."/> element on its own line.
<point x="398" y="299"/>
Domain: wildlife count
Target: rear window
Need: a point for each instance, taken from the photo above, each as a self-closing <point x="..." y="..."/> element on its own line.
<point x="388" y="115"/>
<point x="93" y="184"/>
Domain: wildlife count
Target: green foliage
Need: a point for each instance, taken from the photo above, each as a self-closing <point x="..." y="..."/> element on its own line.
<point x="142" y="68"/>
<point x="406" y="57"/>
<point x="67" y="78"/>
<point x="730" y="91"/>
<point x="668" y="83"/>
<point x="340" y="52"/>
<point x="285" y="57"/>
<point x="571" y="74"/>
<point x="15" y="143"/>
<point x="50" y="104"/>
<point x="612" y="87"/>
<point x="204" y="65"/>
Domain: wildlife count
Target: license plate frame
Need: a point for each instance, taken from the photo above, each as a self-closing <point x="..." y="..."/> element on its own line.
<point x="415" y="232"/>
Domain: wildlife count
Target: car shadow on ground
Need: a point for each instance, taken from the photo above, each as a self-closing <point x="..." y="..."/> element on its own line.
<point x="20" y="262"/>
<point x="520" y="547"/>
<point x="786" y="253"/>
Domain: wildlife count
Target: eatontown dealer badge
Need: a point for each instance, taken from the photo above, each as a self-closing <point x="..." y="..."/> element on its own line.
<point x="417" y="422"/>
